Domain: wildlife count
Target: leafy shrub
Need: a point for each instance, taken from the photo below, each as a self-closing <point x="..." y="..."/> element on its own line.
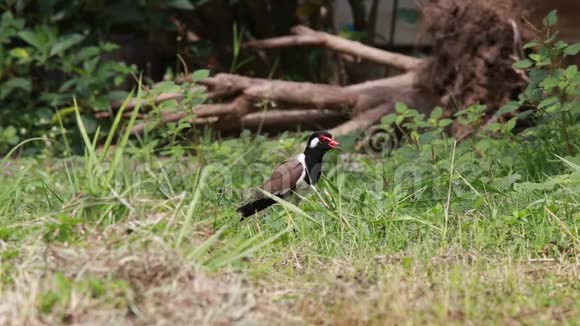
<point x="551" y="99"/>
<point x="541" y="158"/>
<point x="42" y="69"/>
<point x="51" y="51"/>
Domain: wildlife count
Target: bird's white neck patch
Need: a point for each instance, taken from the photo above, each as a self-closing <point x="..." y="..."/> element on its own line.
<point x="314" y="142"/>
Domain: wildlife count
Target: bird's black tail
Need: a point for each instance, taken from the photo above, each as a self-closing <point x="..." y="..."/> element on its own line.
<point x="255" y="206"/>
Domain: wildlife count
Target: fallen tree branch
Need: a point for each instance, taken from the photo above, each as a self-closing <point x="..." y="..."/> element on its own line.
<point x="297" y="103"/>
<point x="287" y="41"/>
<point x="364" y="120"/>
<point x="306" y="94"/>
<point x="239" y="107"/>
<point x="440" y="80"/>
<point x="403" y="80"/>
<point x="305" y="36"/>
<point x="285" y="119"/>
<point x="231" y="84"/>
<point x="349" y="100"/>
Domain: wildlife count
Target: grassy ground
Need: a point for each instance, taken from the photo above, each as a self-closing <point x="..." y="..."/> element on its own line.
<point x="483" y="232"/>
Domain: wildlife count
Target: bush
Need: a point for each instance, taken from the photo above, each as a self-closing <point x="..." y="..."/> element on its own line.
<point x="52" y="51"/>
<point x="551" y="99"/>
<point x="549" y="106"/>
<point x="42" y="69"/>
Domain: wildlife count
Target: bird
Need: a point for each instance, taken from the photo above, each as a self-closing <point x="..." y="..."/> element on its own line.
<point x="295" y="175"/>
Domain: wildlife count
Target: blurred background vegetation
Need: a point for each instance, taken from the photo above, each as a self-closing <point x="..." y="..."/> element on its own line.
<point x="95" y="51"/>
<point x="52" y="50"/>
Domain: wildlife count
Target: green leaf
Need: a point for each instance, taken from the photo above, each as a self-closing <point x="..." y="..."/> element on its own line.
<point x="109" y="47"/>
<point x="68" y="85"/>
<point x="180" y="4"/>
<point x="554" y="107"/>
<point x="536" y="57"/>
<point x="166" y="87"/>
<point x="401" y="107"/>
<point x="531" y="186"/>
<point x="199" y="75"/>
<point x="99" y="103"/>
<point x="550" y="82"/>
<point x="560" y="45"/>
<point x="9" y="135"/>
<point x="389" y="119"/>
<point x="551" y="19"/>
<point x="196" y="101"/>
<point x="532" y="44"/>
<point x="524" y="114"/>
<point x="9" y="86"/>
<point x="437" y="113"/>
<point x="548" y="102"/>
<point x="31" y="38"/>
<point x="544" y="63"/>
<point x="445" y="122"/>
<point x="66" y="43"/>
<point x="509" y="126"/>
<point x="506" y="182"/>
<point x="169" y="106"/>
<point x="523" y="64"/>
<point x="537" y="75"/>
<point x="571" y="72"/>
<point x="509" y="107"/>
<point x="90" y="65"/>
<point x="400" y="119"/>
<point x="87" y="53"/>
<point x="572" y="49"/>
<point x="494" y="127"/>
<point x="19" y="53"/>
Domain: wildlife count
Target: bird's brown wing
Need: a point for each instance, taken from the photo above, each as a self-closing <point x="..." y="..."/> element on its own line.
<point x="283" y="179"/>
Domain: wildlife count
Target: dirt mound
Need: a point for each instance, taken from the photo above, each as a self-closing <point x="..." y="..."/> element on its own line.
<point x="475" y="43"/>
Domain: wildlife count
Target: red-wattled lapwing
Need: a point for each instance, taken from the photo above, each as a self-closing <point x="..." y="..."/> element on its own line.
<point x="295" y="175"/>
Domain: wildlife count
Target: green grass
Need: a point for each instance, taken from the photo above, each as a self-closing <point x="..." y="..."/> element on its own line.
<point x="438" y="233"/>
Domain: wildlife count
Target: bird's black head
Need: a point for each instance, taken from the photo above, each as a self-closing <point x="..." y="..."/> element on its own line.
<point x="321" y="141"/>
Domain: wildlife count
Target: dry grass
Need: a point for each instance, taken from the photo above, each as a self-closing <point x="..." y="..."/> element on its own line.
<point x="146" y="283"/>
<point x="142" y="282"/>
<point x="443" y="294"/>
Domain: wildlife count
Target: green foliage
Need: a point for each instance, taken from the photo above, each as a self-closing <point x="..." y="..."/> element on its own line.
<point x="42" y="69"/>
<point x="551" y="98"/>
<point x="191" y="97"/>
<point x="8" y="138"/>
<point x="538" y="160"/>
<point x="52" y="51"/>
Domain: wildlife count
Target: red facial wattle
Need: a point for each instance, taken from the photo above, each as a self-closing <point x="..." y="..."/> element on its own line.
<point x="331" y="142"/>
